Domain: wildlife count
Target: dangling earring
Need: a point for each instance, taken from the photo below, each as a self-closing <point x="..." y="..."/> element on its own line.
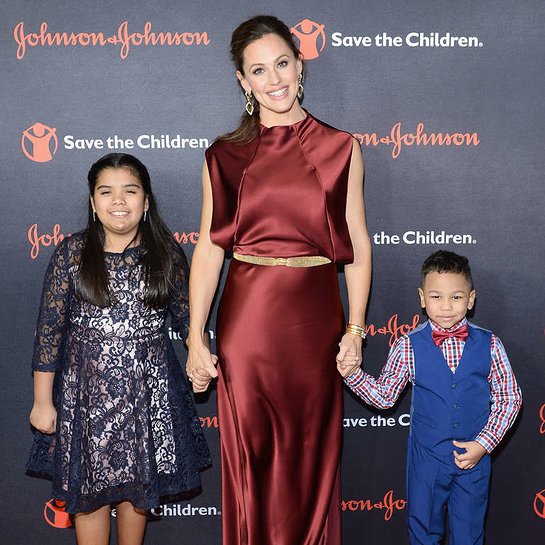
<point x="249" y="103"/>
<point x="300" y="88"/>
<point x="94" y="216"/>
<point x="145" y="215"/>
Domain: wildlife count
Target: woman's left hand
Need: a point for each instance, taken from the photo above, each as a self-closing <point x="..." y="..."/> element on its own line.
<point x="349" y="357"/>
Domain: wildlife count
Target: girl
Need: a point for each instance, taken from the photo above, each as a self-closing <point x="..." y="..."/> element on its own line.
<point x="107" y="383"/>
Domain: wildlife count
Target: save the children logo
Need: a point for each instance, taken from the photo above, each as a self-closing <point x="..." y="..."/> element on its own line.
<point x="539" y="504"/>
<point x="423" y="238"/>
<point x="311" y="38"/>
<point x="542" y="416"/>
<point x="377" y="421"/>
<point x="411" y="39"/>
<point x="55" y="514"/>
<point x="40" y="142"/>
<point x="180" y="510"/>
<point x="122" y="37"/>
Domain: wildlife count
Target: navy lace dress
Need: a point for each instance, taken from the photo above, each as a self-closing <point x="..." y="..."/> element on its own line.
<point x="126" y="423"/>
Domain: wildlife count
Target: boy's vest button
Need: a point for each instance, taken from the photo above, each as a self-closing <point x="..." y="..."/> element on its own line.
<point x="455" y="425"/>
<point x="454" y="386"/>
<point x="456" y="406"/>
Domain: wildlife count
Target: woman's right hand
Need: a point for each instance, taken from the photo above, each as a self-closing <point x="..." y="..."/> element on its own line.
<point x="44" y="418"/>
<point x="200" y="366"/>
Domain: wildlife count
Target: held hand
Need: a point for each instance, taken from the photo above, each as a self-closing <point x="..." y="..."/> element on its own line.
<point x="200" y="367"/>
<point x="349" y="357"/>
<point x="44" y="418"/>
<point x="471" y="457"/>
<point x="203" y="376"/>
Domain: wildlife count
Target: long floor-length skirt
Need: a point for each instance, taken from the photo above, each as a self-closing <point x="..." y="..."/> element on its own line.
<point x="280" y="405"/>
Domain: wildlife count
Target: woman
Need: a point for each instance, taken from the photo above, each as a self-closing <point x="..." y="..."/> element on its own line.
<point x="284" y="192"/>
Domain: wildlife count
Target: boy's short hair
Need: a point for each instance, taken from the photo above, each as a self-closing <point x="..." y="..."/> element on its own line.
<point x="443" y="261"/>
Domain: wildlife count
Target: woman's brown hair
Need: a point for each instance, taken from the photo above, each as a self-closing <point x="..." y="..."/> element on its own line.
<point x="247" y="32"/>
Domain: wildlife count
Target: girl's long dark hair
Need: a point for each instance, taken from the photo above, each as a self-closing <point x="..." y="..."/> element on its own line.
<point x="156" y="243"/>
<point x="251" y="30"/>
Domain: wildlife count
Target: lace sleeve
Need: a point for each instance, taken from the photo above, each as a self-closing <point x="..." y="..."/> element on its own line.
<point x="179" y="303"/>
<point x="53" y="313"/>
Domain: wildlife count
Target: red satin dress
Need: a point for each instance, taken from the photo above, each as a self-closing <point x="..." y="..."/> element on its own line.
<point x="278" y="328"/>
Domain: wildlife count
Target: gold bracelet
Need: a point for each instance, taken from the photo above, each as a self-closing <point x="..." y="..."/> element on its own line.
<point x="357" y="330"/>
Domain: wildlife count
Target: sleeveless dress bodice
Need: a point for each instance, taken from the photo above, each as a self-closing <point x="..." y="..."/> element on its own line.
<point x="284" y="193"/>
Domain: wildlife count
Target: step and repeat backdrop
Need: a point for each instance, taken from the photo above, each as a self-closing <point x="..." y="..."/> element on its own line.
<point x="446" y="99"/>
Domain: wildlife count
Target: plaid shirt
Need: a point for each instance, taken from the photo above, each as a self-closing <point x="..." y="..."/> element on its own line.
<point x="505" y="394"/>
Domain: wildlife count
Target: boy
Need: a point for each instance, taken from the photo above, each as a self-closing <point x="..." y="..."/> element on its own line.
<point x="465" y="397"/>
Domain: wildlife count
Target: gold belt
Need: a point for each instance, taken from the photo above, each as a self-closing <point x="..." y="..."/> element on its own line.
<point x="303" y="261"/>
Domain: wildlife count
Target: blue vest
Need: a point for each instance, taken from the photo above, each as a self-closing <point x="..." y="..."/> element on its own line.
<point x="447" y="405"/>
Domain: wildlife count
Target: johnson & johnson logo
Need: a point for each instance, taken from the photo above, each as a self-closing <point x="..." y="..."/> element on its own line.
<point x="388" y="505"/>
<point x="39" y="240"/>
<point x="45" y="240"/>
<point x="398" y="139"/>
<point x="209" y="421"/>
<point x="392" y="328"/>
<point x="122" y="37"/>
<point x="39" y="143"/>
<point x="186" y="238"/>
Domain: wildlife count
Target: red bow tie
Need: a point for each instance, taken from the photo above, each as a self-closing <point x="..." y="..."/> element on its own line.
<point x="439" y="337"/>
